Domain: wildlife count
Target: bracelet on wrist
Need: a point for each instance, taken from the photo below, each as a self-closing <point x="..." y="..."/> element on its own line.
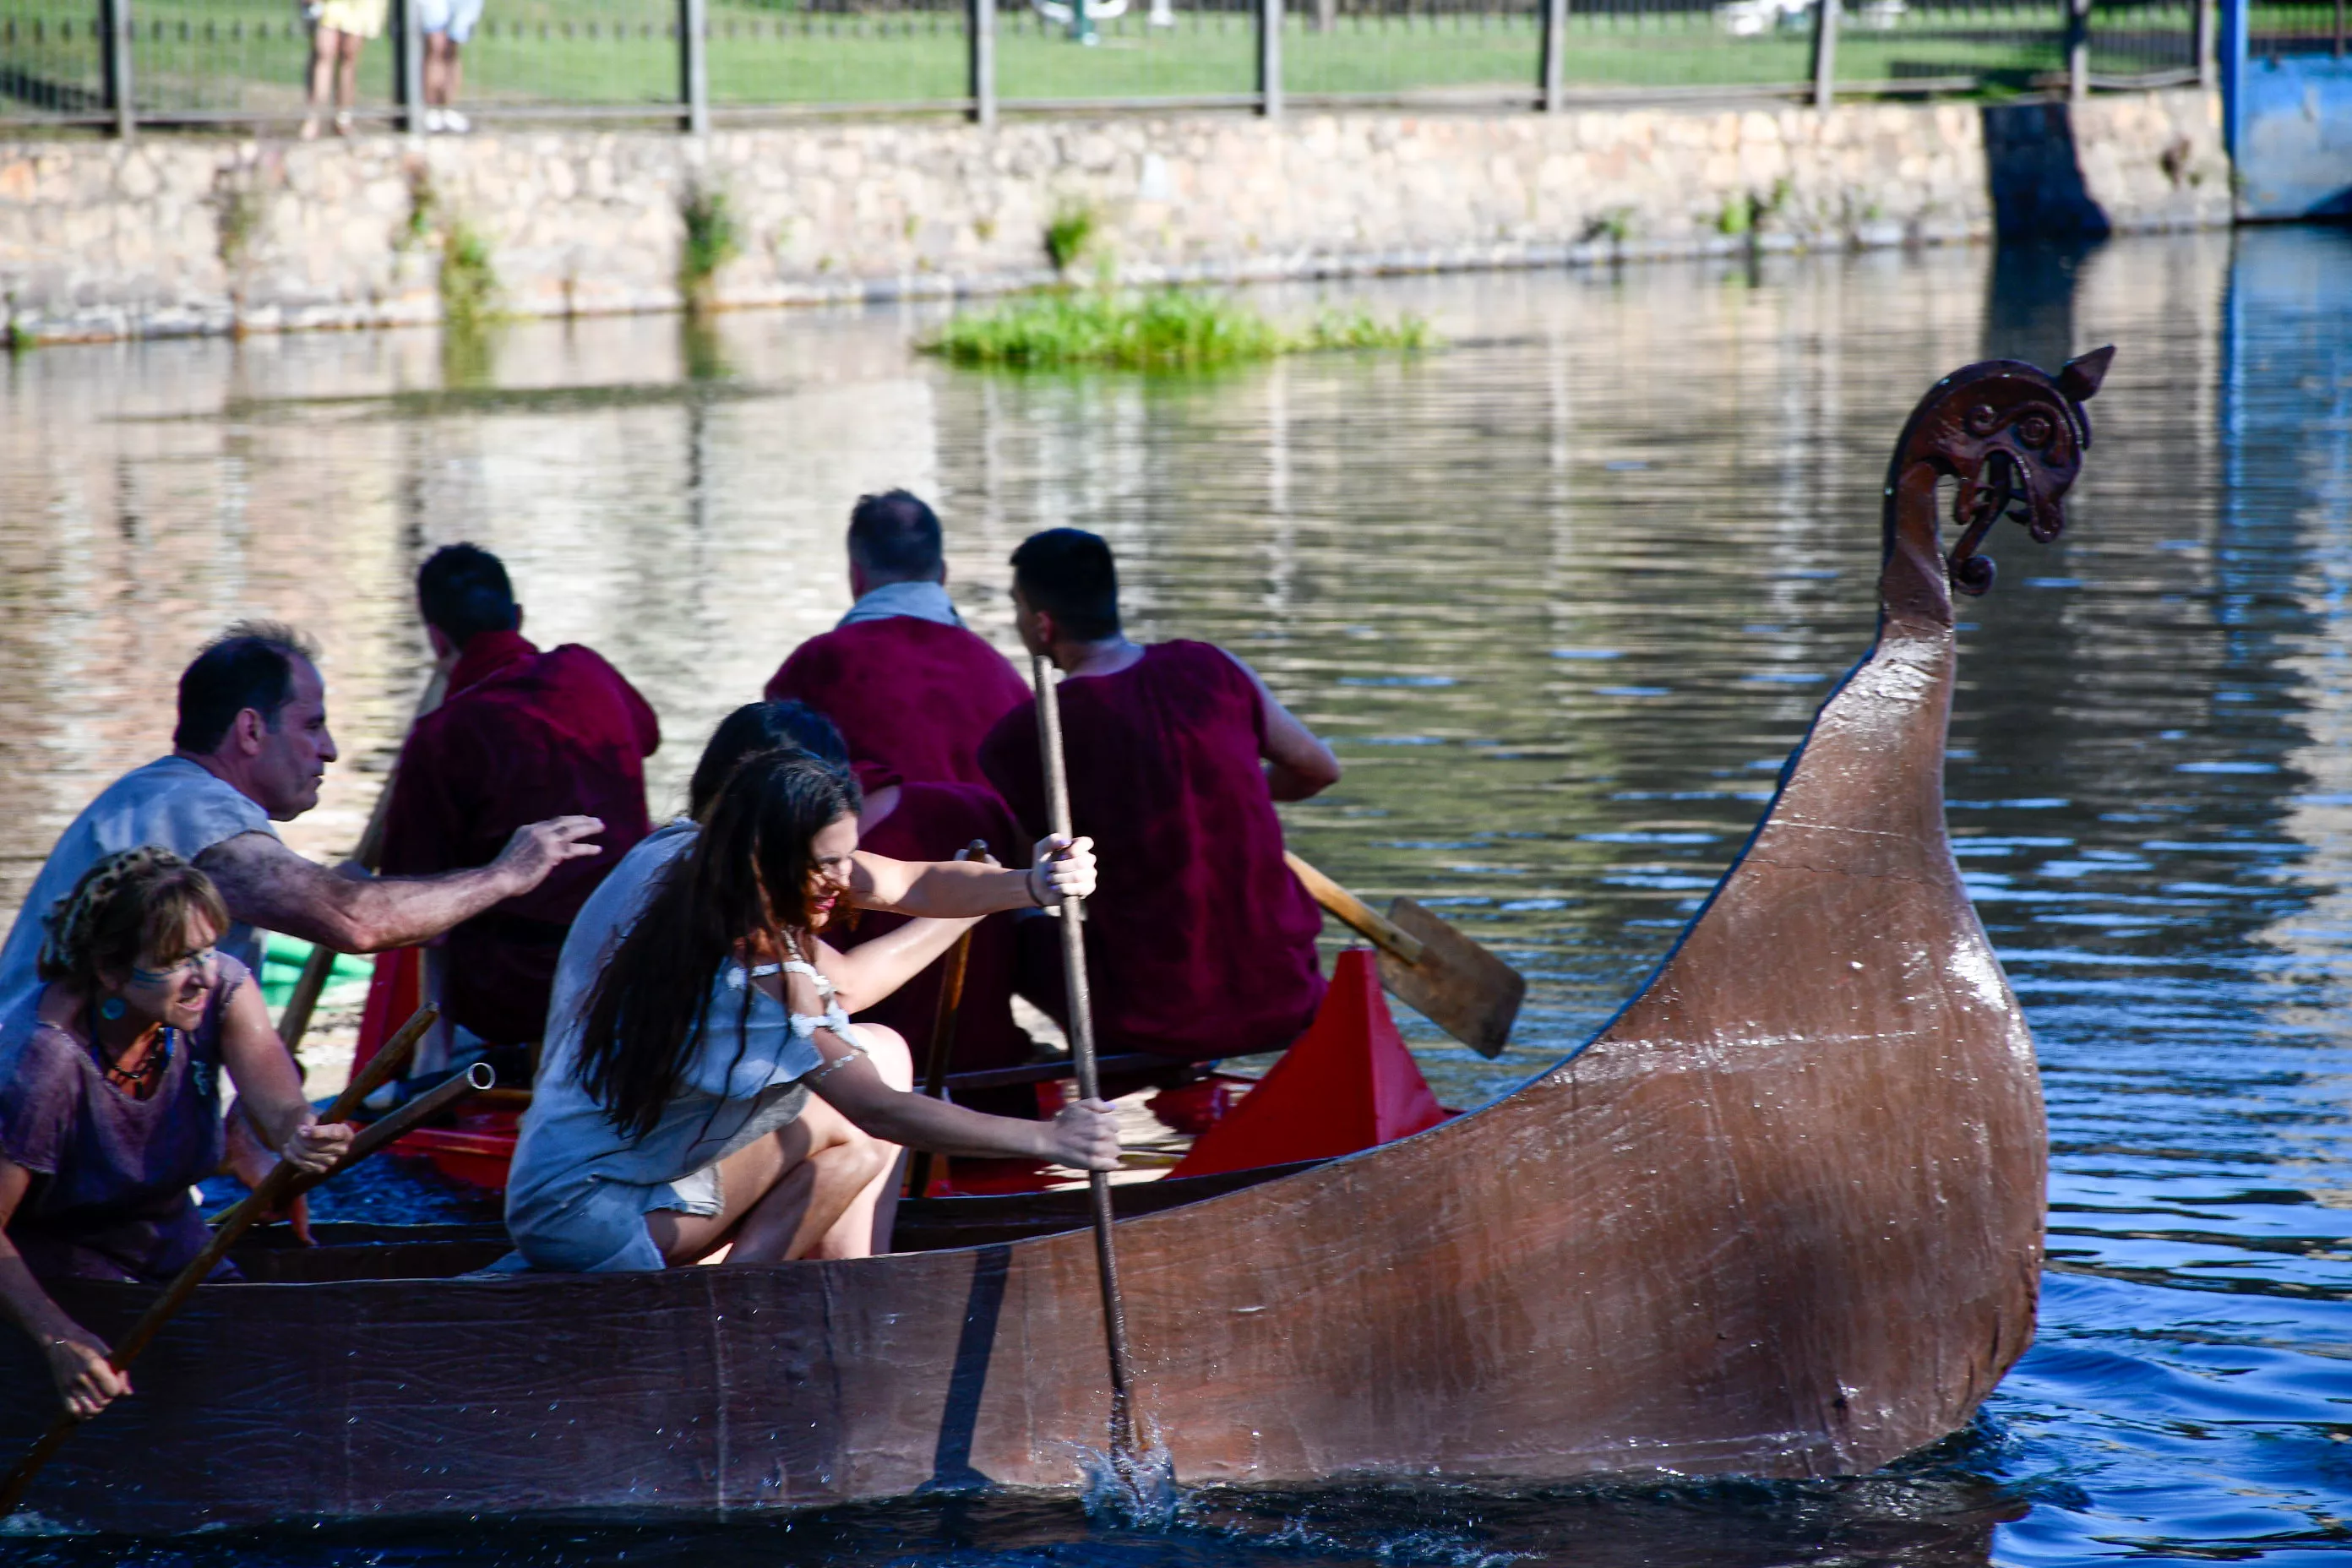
<point x="1035" y="898"/>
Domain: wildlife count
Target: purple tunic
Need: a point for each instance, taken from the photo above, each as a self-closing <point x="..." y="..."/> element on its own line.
<point x="110" y="1198"/>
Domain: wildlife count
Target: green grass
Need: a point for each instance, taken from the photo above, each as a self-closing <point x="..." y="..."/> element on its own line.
<point x="1170" y="329"/>
<point x="248" y="55"/>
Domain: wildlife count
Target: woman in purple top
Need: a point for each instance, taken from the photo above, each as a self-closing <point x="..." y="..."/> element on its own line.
<point x="110" y="1098"/>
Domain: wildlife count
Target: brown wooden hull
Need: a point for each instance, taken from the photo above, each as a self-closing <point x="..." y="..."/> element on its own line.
<point x="1782" y="1217"/>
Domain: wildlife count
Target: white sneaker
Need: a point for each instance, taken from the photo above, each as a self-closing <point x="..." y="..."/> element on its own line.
<point x="433" y="120"/>
<point x="454" y="123"/>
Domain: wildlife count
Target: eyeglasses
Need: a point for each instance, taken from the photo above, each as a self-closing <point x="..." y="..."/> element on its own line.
<point x="198" y="962"/>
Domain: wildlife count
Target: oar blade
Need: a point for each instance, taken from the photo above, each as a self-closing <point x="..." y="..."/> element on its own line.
<point x="1458" y="985"/>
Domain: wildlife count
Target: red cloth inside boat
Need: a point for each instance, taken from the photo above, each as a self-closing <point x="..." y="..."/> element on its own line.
<point x="910" y="695"/>
<point x="523" y="736"/>
<point x="931" y="822"/>
<point x="1200" y="941"/>
<point x="1349" y="1084"/>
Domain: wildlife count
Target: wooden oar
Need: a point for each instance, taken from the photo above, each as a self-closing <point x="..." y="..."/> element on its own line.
<point x="943" y="1029"/>
<point x="479" y="1078"/>
<point x="1433" y="969"/>
<point x="295" y="1021"/>
<point x="1082" y="1056"/>
<point x="276" y="1189"/>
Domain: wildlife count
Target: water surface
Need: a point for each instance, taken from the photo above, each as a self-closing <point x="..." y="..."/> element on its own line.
<point x="1562" y="595"/>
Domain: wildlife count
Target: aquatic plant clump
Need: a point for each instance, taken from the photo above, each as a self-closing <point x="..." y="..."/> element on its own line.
<point x="1170" y="329"/>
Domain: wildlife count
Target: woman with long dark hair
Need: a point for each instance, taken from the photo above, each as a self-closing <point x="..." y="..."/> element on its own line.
<point x="716" y="1096"/>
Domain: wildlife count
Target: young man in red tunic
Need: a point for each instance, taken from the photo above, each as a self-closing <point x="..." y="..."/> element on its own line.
<point x="1202" y="944"/>
<point x="522" y="735"/>
<point x="912" y="690"/>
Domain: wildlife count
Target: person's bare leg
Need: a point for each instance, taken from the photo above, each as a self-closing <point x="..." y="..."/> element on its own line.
<point x="865" y="1226"/>
<point x="747" y="1178"/>
<point x="324" y="46"/>
<point x="440" y="56"/>
<point x="780" y="1194"/>
<point x="347" y="81"/>
<point x="781" y="1230"/>
<point x="852" y="1233"/>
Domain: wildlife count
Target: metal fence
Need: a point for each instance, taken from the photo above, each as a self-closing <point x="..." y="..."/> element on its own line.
<point x="694" y="62"/>
<point x="2275" y="32"/>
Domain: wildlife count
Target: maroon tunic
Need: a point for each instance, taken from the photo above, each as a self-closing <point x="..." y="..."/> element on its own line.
<point x="931" y="822"/>
<point x="910" y="696"/>
<point x="1200" y="941"/>
<point x="109" y="1198"/>
<point x="524" y="736"/>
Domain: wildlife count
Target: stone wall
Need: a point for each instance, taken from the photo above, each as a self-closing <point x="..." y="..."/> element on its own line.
<point x="166" y="236"/>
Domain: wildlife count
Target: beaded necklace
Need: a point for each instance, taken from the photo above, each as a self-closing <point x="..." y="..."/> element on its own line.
<point x="140" y="1081"/>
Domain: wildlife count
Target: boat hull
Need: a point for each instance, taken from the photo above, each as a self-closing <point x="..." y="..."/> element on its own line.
<point x="1782" y="1217"/>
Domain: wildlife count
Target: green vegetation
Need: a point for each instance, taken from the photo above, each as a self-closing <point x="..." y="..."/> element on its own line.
<point x="1070" y="236"/>
<point x="469" y="283"/>
<point x="711" y="243"/>
<point x="1168" y="329"/>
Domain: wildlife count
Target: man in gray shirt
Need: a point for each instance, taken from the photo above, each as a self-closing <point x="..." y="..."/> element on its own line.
<point x="250" y="748"/>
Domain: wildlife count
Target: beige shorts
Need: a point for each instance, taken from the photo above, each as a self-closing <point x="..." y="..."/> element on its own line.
<point x="698" y="1193"/>
<point x="358" y="19"/>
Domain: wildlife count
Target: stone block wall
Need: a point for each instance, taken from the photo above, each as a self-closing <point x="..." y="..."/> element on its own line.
<point x="165" y="234"/>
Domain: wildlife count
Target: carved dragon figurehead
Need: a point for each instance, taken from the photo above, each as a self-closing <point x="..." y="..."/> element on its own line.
<point x="2014" y="437"/>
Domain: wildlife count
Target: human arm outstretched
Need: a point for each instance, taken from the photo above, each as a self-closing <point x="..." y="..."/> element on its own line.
<point x="267" y="885"/>
<point x="1060" y="868"/>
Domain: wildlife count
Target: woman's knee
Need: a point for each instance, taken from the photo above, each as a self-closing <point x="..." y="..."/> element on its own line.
<point x="891" y="1058"/>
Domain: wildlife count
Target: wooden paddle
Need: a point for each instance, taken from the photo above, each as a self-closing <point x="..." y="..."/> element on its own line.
<point x="1082" y="1056"/>
<point x="276" y="1189"/>
<point x="1433" y="969"/>
<point x="295" y="1021"/>
<point x="943" y="1029"/>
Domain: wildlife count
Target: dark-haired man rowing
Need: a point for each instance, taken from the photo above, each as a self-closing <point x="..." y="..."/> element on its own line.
<point x="249" y="750"/>
<point x="1204" y="945"/>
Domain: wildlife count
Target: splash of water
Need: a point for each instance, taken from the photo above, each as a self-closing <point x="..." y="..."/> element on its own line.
<point x="1133" y="1487"/>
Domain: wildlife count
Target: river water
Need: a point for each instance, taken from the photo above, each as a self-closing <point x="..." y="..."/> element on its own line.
<point x="1563" y="593"/>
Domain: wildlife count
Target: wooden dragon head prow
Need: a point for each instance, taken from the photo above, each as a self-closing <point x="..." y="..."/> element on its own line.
<point x="2015" y="437"/>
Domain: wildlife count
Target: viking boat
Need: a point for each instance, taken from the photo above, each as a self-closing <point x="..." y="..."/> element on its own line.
<point x="1782" y="1216"/>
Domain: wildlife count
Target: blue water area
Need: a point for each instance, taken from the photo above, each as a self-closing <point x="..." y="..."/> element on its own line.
<point x="1563" y="595"/>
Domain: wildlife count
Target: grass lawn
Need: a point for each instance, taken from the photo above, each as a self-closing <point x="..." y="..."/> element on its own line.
<point x="248" y="55"/>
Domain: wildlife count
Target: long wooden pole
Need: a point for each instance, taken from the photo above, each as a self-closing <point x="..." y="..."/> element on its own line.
<point x="1082" y="1056"/>
<point x="943" y="1029"/>
<point x="295" y="1021"/>
<point x="274" y="1190"/>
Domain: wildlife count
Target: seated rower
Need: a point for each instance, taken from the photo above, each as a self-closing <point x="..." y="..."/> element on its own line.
<point x="110" y="1098"/>
<point x="1205" y="945"/>
<point x="675" y="1124"/>
<point x="523" y="736"/>
<point x="913" y="692"/>
<point x="251" y="746"/>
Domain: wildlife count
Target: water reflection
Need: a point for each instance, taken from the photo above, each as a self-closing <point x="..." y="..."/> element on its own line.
<point x="1563" y="595"/>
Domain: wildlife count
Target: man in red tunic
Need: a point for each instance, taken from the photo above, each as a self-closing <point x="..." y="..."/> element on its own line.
<point x="522" y="735"/>
<point x="912" y="690"/>
<point x="1200" y="941"/>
